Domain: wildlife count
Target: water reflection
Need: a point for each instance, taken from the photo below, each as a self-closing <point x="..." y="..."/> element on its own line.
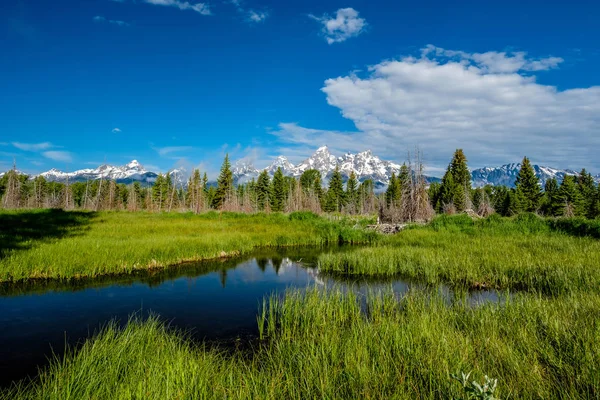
<point x="214" y="301"/>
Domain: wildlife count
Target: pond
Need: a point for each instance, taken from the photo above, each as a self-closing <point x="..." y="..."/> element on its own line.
<point x="215" y="301"/>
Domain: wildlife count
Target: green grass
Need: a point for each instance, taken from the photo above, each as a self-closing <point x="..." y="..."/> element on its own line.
<point x="326" y="345"/>
<point x="526" y="252"/>
<point x="64" y="245"/>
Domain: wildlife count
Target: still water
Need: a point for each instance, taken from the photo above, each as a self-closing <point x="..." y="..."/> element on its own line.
<point x="215" y="301"/>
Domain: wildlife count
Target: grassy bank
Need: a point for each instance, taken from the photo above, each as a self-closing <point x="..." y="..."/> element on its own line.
<point x="322" y="345"/>
<point x="526" y="252"/>
<point x="59" y="244"/>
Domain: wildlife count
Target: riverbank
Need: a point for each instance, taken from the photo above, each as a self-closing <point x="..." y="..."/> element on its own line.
<point x="521" y="253"/>
<point x="325" y="345"/>
<point x="55" y="244"/>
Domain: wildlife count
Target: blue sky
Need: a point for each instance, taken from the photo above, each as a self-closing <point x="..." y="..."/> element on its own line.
<point x="171" y="82"/>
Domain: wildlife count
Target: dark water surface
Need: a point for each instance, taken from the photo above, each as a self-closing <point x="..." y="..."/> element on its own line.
<point x="215" y="301"/>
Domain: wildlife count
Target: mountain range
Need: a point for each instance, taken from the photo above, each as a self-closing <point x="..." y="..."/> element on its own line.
<point x="365" y="165"/>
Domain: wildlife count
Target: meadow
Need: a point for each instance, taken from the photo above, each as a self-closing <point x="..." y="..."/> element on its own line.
<point x="521" y="253"/>
<point x="329" y="344"/>
<point x="542" y="341"/>
<point x="55" y="244"/>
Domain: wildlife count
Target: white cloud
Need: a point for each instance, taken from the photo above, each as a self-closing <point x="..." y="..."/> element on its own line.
<point x="345" y="24"/>
<point x="163" y="151"/>
<point x="201" y="8"/>
<point x="257" y="16"/>
<point x="99" y="18"/>
<point x="63" y="156"/>
<point x="443" y="101"/>
<point x="493" y="61"/>
<point x="32" y="146"/>
<point x="116" y="130"/>
<point x="251" y="16"/>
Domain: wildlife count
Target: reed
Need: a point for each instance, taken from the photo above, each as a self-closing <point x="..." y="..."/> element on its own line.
<point x="65" y="245"/>
<point x="525" y="253"/>
<point x="329" y="344"/>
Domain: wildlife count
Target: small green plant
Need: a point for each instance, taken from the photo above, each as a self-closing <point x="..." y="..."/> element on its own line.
<point x="474" y="390"/>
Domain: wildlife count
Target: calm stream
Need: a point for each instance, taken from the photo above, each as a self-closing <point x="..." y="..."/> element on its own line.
<point x="215" y="301"/>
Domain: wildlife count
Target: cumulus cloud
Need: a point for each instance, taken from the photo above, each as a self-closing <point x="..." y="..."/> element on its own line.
<point x="489" y="104"/>
<point x="201" y="8"/>
<point x="345" y="24"/>
<point x="99" y="18"/>
<point x="493" y="61"/>
<point x="116" y="130"/>
<point x="63" y="156"/>
<point x="32" y="146"/>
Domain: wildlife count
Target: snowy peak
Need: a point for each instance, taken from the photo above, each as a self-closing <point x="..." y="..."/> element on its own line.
<point x="130" y="172"/>
<point x="281" y="162"/>
<point x="507" y="174"/>
<point x="364" y="164"/>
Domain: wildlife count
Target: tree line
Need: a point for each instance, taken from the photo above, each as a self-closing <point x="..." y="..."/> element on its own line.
<point x="574" y="196"/>
<point x="407" y="198"/>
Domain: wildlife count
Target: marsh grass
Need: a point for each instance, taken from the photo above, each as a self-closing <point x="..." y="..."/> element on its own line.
<point x="327" y="344"/>
<point x="103" y="243"/>
<point x="526" y="253"/>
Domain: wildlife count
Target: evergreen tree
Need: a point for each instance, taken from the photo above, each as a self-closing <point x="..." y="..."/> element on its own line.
<point x="446" y="192"/>
<point x="570" y="198"/>
<point x="335" y="198"/>
<point x="159" y="192"/>
<point x="263" y="190"/>
<point x="551" y="201"/>
<point x="403" y="179"/>
<point x="460" y="170"/>
<point x="352" y="193"/>
<point x="457" y="175"/>
<point x="393" y="192"/>
<point x="587" y="188"/>
<point x="205" y="184"/>
<point x="224" y="184"/>
<point x="528" y="189"/>
<point x="434" y="193"/>
<point x="278" y="191"/>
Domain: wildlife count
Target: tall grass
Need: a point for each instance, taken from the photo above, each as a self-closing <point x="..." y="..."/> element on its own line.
<point x="526" y="252"/>
<point x="322" y="344"/>
<point x="122" y="242"/>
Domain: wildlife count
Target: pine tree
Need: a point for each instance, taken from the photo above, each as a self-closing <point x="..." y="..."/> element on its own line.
<point x="446" y="192"/>
<point x="551" y="200"/>
<point x="570" y="198"/>
<point x="457" y="175"/>
<point x="335" y="193"/>
<point x="263" y="190"/>
<point x="587" y="188"/>
<point x="278" y="191"/>
<point x="352" y="193"/>
<point x="460" y="170"/>
<point x="224" y="185"/>
<point x="159" y="192"/>
<point x="393" y="193"/>
<point x="528" y="190"/>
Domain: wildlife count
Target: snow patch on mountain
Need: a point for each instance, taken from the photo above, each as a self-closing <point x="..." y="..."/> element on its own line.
<point x="507" y="174"/>
<point x="364" y="164"/>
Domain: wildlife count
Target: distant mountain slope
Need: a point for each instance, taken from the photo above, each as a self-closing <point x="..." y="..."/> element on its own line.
<point x="364" y="164"/>
<point x="128" y="173"/>
<point x="507" y="174"/>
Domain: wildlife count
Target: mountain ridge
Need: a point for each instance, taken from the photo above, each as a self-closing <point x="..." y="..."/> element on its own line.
<point x="364" y="164"/>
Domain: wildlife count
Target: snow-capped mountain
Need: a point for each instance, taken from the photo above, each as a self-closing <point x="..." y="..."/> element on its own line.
<point x="128" y="173"/>
<point x="507" y="174"/>
<point x="18" y="173"/>
<point x="365" y="165"/>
